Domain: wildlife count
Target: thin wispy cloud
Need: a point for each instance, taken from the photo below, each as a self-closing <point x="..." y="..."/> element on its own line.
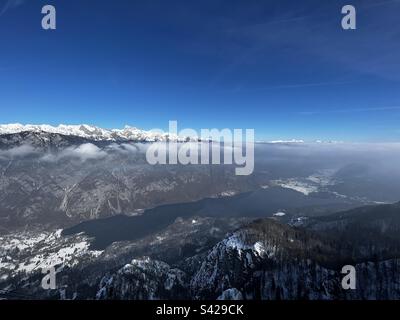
<point x="350" y="110"/>
<point x="382" y="3"/>
<point x="10" y="4"/>
<point x="304" y="85"/>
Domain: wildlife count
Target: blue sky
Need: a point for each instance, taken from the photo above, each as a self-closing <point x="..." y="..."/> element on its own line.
<point x="285" y="68"/>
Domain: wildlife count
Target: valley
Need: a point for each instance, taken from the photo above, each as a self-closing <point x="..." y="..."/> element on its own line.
<point x="115" y="227"/>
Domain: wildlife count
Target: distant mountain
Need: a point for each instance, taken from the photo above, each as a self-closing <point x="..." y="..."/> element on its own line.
<point x="92" y="132"/>
<point x="60" y="192"/>
<point x="72" y="174"/>
<point x="60" y="176"/>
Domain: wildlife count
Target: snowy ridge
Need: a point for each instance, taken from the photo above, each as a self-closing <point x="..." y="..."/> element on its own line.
<point x="286" y="141"/>
<point x="29" y="252"/>
<point x="92" y="132"/>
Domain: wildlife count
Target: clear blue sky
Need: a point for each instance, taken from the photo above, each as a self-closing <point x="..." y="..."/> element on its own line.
<point x="282" y="67"/>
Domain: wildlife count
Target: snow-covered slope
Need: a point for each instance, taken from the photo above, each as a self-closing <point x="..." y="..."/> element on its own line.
<point x="92" y="132"/>
<point x="263" y="259"/>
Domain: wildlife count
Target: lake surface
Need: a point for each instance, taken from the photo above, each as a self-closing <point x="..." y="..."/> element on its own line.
<point x="259" y="203"/>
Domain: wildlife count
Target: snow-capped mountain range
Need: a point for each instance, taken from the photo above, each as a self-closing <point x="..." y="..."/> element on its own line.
<point x="93" y="132"/>
<point x="128" y="133"/>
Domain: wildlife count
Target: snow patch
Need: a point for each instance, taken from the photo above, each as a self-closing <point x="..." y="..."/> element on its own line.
<point x="231" y="294"/>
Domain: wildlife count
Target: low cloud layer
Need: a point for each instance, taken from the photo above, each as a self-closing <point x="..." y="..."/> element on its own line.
<point x="18" y="152"/>
<point x="384" y="156"/>
<point x="83" y="152"/>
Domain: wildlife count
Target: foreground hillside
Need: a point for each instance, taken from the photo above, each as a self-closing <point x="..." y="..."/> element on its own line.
<point x="210" y="258"/>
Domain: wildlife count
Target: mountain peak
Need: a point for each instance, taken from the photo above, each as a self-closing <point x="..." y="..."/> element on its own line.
<point x="128" y="133"/>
